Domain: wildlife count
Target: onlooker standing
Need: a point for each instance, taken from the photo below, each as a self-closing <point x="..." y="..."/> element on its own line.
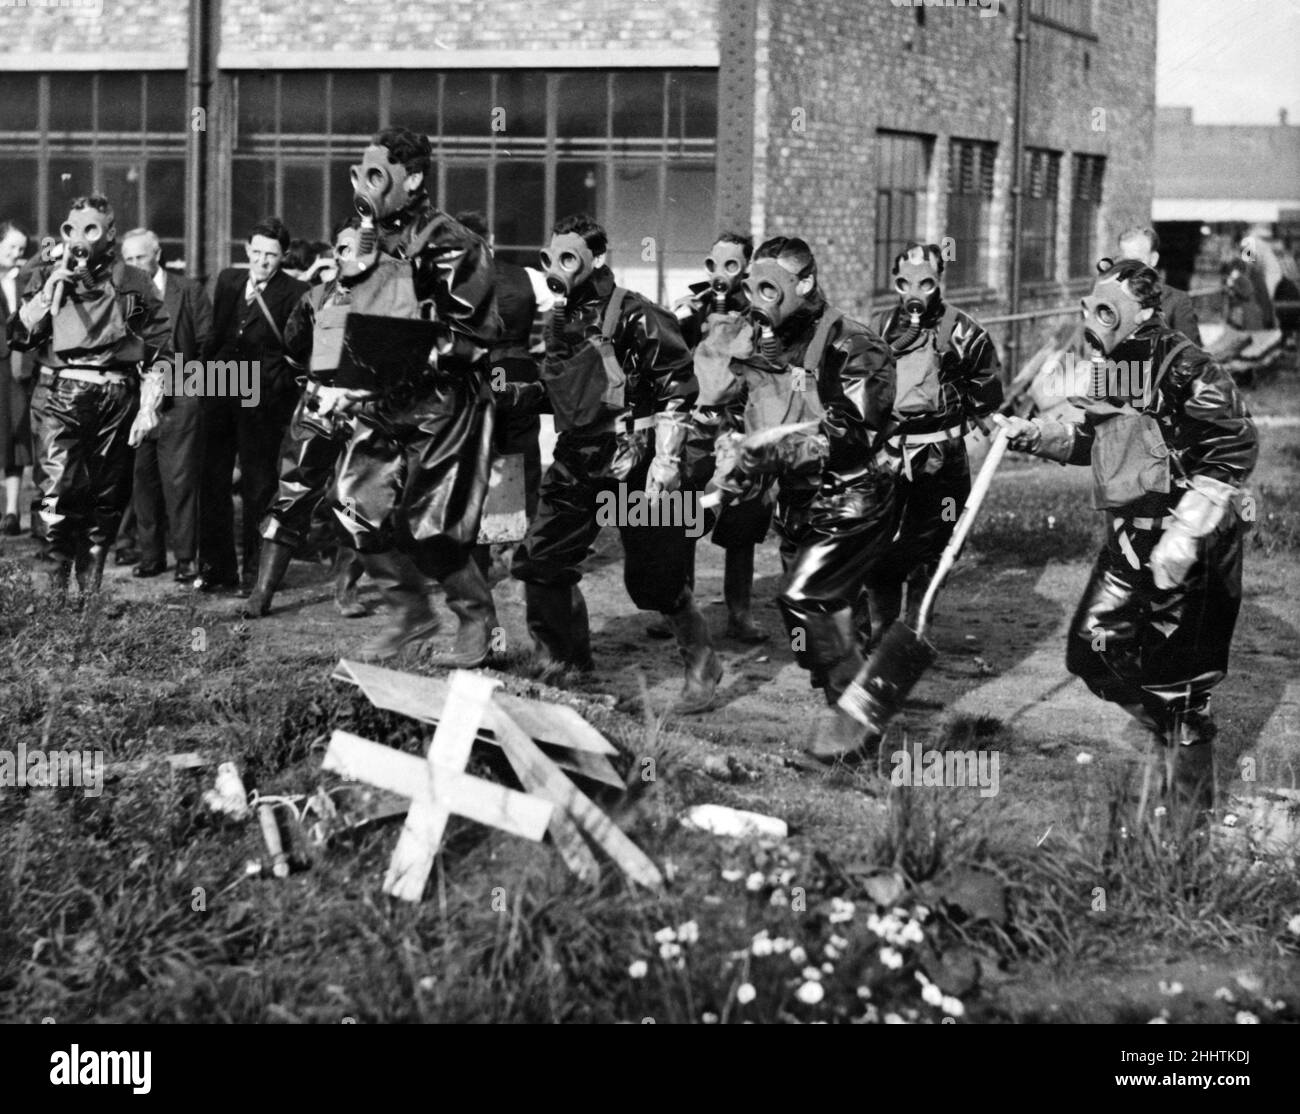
<point x="250" y="310"/>
<point x="1143" y="244"/>
<point x="15" y="381"/>
<point x="167" y="462"/>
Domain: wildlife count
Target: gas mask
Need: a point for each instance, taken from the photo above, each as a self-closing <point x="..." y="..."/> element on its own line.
<point x="379" y="186"/>
<point x="775" y="294"/>
<point x="1110" y="315"/>
<point x="347" y="254"/>
<point x="917" y="284"/>
<point x="567" y="264"/>
<point x="88" y="236"/>
<point x="726" y="268"/>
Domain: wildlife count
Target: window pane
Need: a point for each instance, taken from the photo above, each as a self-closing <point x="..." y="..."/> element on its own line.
<point x="693" y="105"/>
<point x="355" y="104"/>
<point x="69" y="178"/>
<point x="688" y="226"/>
<point x="256" y="106"/>
<point x="18" y="93"/>
<point x="578" y="188"/>
<point x="467" y="104"/>
<point x="520" y="203"/>
<point x="165" y="204"/>
<point x="70" y="102"/>
<point x="120" y="183"/>
<point x="119" y="102"/>
<point x="302" y="103"/>
<point x="633" y="214"/>
<point x="304" y="201"/>
<point x="466" y="189"/>
<point x="340" y="189"/>
<point x="638" y="104"/>
<point x="252" y="196"/>
<point x="166" y="102"/>
<point x="415" y="101"/>
<point x="581" y="105"/>
<point x="523" y="96"/>
<point x="18" y="192"/>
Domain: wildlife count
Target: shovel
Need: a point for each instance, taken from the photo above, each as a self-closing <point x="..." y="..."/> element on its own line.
<point x="877" y="693"/>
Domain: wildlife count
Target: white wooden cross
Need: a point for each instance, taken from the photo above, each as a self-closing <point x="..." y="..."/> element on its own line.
<point x="438" y="785"/>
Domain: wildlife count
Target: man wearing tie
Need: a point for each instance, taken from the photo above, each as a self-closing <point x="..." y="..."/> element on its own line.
<point x="250" y="310"/>
<point x="166" y="492"/>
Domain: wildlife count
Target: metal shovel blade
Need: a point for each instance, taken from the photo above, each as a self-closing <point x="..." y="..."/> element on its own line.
<point x="878" y="691"/>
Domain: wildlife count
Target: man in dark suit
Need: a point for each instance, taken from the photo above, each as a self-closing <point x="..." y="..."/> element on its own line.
<point x="250" y="310"/>
<point x="15" y="380"/>
<point x="1143" y="244"/>
<point x="167" y="463"/>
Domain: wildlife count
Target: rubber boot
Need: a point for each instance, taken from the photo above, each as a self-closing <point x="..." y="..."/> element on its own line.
<point x="348" y="569"/>
<point x="703" y="669"/>
<point x="1190" y="782"/>
<point x="862" y="623"/>
<point x="406" y="606"/>
<point x="661" y="628"/>
<point x="272" y="563"/>
<point x="470" y="598"/>
<point x="737" y="584"/>
<point x="60" y="572"/>
<point x="837" y="736"/>
<point x="90" y="568"/>
<point x="557" y="622"/>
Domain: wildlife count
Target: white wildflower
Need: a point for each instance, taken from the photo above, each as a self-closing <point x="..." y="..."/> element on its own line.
<point x="810" y="993"/>
<point x="745" y="993"/>
<point x="688" y="933"/>
<point x="755" y="881"/>
<point x="637" y="968"/>
<point x="665" y="936"/>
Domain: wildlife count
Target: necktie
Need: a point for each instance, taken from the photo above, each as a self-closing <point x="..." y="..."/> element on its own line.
<point x="250" y="292"/>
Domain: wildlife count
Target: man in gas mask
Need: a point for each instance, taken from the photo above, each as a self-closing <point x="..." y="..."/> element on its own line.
<point x="947" y="382"/>
<point x="98" y="327"/>
<point x="415" y="474"/>
<point x="617" y="376"/>
<point x="711" y="317"/>
<point x="825" y="383"/>
<point x="1170" y="443"/>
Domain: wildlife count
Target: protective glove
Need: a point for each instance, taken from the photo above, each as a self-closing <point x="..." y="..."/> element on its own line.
<point x="521" y="398"/>
<point x="1197" y="515"/>
<point x="1038" y="436"/>
<point x="146" y="419"/>
<point x="666" y="468"/>
<point x="789" y="448"/>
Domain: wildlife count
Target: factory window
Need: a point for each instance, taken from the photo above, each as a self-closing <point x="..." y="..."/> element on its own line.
<point x="902" y="179"/>
<point x="970" y="189"/>
<point x="1089" y="170"/>
<point x="635" y="148"/>
<point x="1069" y="15"/>
<point x="1038" y="216"/>
<point x="121" y="134"/>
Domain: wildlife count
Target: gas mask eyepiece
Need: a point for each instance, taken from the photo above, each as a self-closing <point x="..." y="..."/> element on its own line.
<point x="1111" y="313"/>
<point x="567" y="264"/>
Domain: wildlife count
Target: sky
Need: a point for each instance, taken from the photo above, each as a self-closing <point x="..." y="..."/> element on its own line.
<point x="1233" y="61"/>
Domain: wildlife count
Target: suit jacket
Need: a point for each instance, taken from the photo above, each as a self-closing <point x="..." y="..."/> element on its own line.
<point x="1180" y="314"/>
<point x="190" y="312"/>
<point x="27" y="361"/>
<point x="240" y="330"/>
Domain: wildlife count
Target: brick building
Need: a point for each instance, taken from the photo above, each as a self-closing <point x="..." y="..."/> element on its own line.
<point x="857" y="123"/>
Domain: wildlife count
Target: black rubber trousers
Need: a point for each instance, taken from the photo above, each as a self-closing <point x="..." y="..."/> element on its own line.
<point x="1157" y="653"/>
<point x="308" y="462"/>
<point x="829" y="546"/>
<point x="86" y="463"/>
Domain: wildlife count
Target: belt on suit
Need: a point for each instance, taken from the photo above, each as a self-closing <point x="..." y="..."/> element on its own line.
<point x="907" y="440"/>
<point x="80" y="375"/>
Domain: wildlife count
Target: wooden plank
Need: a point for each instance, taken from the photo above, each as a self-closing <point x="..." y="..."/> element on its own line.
<point x="358" y="759"/>
<point x="423" y="698"/>
<point x="412" y="861"/>
<point x="565" y="833"/>
<point x="594" y="766"/>
<point x="546" y="779"/>
<point x="504" y="517"/>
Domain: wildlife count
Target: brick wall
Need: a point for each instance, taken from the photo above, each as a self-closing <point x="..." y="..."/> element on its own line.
<point x="350" y="26"/>
<point x="862" y="65"/>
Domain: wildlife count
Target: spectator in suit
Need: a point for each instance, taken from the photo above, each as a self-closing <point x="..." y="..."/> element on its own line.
<point x="1143" y="244"/>
<point x="167" y="463"/>
<point x="15" y="380"/>
<point x="250" y="308"/>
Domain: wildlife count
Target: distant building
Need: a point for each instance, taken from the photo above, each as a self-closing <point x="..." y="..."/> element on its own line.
<point x="1213" y="182"/>
<point x="857" y="123"/>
